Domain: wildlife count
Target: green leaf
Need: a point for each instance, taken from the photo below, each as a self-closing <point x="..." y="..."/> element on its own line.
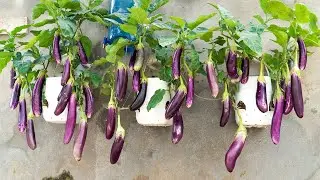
<point x="67" y="27"/>
<point x="95" y="3"/>
<point x="5" y="57"/>
<point x="52" y="9"/>
<point x="179" y="21"/>
<point x="220" y="40"/>
<point x="259" y="19"/>
<point x="113" y="49"/>
<point x="252" y="40"/>
<point x="70" y="4"/>
<point x="94" y="77"/>
<point x="257" y="28"/>
<point x="156" y="4"/>
<point x="313" y="23"/>
<point x="32" y="42"/>
<point x="38" y="10"/>
<point x="144" y="4"/>
<point x="200" y="20"/>
<point x="156" y="17"/>
<point x="131" y="29"/>
<point x="224" y="13"/>
<point x="98" y="19"/>
<point x="44" y="22"/>
<point x="264" y="5"/>
<point x="46" y="38"/>
<point x="193" y="60"/>
<point x="167" y="40"/>
<point x="156" y="99"/>
<point x="138" y="16"/>
<point x="18" y="29"/>
<point x="282" y="37"/>
<point x="312" y="40"/>
<point x="280" y="10"/>
<point x="165" y="74"/>
<point x="219" y="56"/>
<point x="302" y="13"/>
<point x="23" y="63"/>
<point x="35" y="33"/>
<point x="87" y="45"/>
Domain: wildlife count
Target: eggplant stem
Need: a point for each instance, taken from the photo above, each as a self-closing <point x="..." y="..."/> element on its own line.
<point x="261" y="74"/>
<point x="296" y="63"/>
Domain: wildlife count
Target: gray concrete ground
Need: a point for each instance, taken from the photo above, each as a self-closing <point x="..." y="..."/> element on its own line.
<point x="148" y="152"/>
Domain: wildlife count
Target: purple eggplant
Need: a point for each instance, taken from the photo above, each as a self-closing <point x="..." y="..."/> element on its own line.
<point x="71" y="119"/>
<point x="190" y="91"/>
<point x="235" y="149"/>
<point x="80" y="141"/>
<point x="15" y="94"/>
<point x="277" y="117"/>
<point x="22" y="122"/>
<point x="177" y="128"/>
<point x="89" y="100"/>
<point x="141" y="97"/>
<point x="176" y="101"/>
<point x="136" y="81"/>
<point x="30" y="133"/>
<point x="56" y="48"/>
<point x="117" y="144"/>
<point x="82" y="54"/>
<point x="261" y="96"/>
<point x="296" y="91"/>
<point x="64" y="98"/>
<point x="226" y="110"/>
<point x="176" y="59"/>
<point x="122" y="81"/>
<point x="111" y="119"/>
<point x="132" y="60"/>
<point x="62" y="92"/>
<point x="212" y="78"/>
<point x="288" y="105"/>
<point x="66" y="73"/>
<point x="139" y="61"/>
<point x="245" y="68"/>
<point x="232" y="65"/>
<point x="37" y="94"/>
<point x="12" y="77"/>
<point x="302" y="54"/>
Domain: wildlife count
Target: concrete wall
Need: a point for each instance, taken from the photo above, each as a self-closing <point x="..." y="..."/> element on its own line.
<point x="148" y="152"/>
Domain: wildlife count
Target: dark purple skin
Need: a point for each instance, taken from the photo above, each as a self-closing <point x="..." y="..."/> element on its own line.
<point x="30" y="134"/>
<point x="116" y="149"/>
<point x="80" y="141"/>
<point x="141" y="97"/>
<point x="136" y="81"/>
<point x="61" y="92"/>
<point x="261" y="97"/>
<point x="276" y="120"/>
<point x="122" y="82"/>
<point x="245" y="68"/>
<point x="132" y="60"/>
<point x="297" y="96"/>
<point x="177" y="128"/>
<point x="15" y="95"/>
<point x="22" y="122"/>
<point x="212" y="79"/>
<point x="37" y="95"/>
<point x="64" y="99"/>
<point x="71" y="119"/>
<point x="234" y="151"/>
<point x="175" y="104"/>
<point x="288" y="103"/>
<point x="176" y="63"/>
<point x="190" y="91"/>
<point x="12" y="77"/>
<point x="232" y="65"/>
<point x="56" y="48"/>
<point x="226" y="110"/>
<point x="82" y="54"/>
<point x="89" y="100"/>
<point x="302" y="54"/>
<point x="111" y="121"/>
<point x="66" y="73"/>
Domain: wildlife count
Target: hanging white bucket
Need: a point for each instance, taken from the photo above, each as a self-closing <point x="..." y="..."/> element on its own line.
<point x="156" y="116"/>
<point x="251" y="115"/>
<point x="52" y="91"/>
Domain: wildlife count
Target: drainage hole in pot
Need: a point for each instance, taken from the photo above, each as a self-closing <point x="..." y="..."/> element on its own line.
<point x="241" y="105"/>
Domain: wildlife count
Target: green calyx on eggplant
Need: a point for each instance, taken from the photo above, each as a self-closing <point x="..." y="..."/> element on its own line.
<point x="232" y="65"/>
<point x="121" y="82"/>
<point x="88" y="99"/>
<point x="81" y="138"/>
<point x="235" y="149"/>
<point x="141" y="97"/>
<point x="277" y="116"/>
<point x="136" y="81"/>
<point x="111" y="119"/>
<point x="71" y="118"/>
<point x="245" y="68"/>
<point x="296" y="91"/>
<point x="30" y="133"/>
<point x="118" y="143"/>
<point x="176" y="101"/>
<point x="37" y="94"/>
<point x="212" y="77"/>
<point x="302" y="54"/>
<point x="15" y="94"/>
<point x="12" y="77"/>
<point x="261" y="93"/>
<point x="22" y="121"/>
<point x="82" y="54"/>
<point x="56" y="47"/>
<point x="132" y="60"/>
<point x="139" y="61"/>
<point x="66" y="72"/>
<point x="176" y="62"/>
<point x="190" y="91"/>
<point x="64" y="98"/>
<point x="177" y="128"/>
<point x="226" y="110"/>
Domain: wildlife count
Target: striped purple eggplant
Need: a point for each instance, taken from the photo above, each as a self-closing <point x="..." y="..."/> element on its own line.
<point x="64" y="98"/>
<point x="212" y="78"/>
<point x="132" y="60"/>
<point x="56" y="48"/>
<point x="177" y="128"/>
<point x="12" y="77"/>
<point x="176" y="101"/>
<point x="139" y="61"/>
<point x="117" y="145"/>
<point x="190" y="91"/>
<point x="15" y="94"/>
<point x="302" y="54"/>
<point x="122" y="81"/>
<point x="261" y="96"/>
<point x="231" y="63"/>
<point x="277" y="117"/>
<point x="89" y="100"/>
<point x="63" y="89"/>
<point x="82" y="54"/>
<point x="30" y="133"/>
<point x="226" y="110"/>
<point x="235" y="149"/>
<point x="136" y="81"/>
<point x="71" y="119"/>
<point x="111" y="119"/>
<point x="66" y="73"/>
<point x="245" y="68"/>
<point x="141" y="97"/>
<point x="22" y="121"/>
<point x="176" y="61"/>
<point x="81" y="140"/>
<point x="37" y="94"/>
<point x="296" y="91"/>
<point x="288" y="105"/>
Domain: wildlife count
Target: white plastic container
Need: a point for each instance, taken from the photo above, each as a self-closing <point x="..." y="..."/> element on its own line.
<point x="252" y="116"/>
<point x="156" y="116"/>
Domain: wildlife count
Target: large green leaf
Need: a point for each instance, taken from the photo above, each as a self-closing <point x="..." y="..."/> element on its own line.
<point x="113" y="49"/>
<point x="70" y="4"/>
<point x="18" y="29"/>
<point x="167" y="40"/>
<point x="67" y="27"/>
<point x="131" y="29"/>
<point x="179" y="21"/>
<point x="38" y="10"/>
<point x="156" y="4"/>
<point x="46" y="38"/>
<point x="138" y="16"/>
<point x="23" y="63"/>
<point x="302" y="13"/>
<point x="165" y="74"/>
<point x="264" y="5"/>
<point x="252" y="40"/>
<point x="312" y="40"/>
<point x="95" y="3"/>
<point x="224" y="13"/>
<point x="201" y="19"/>
<point x="193" y="60"/>
<point x="52" y="9"/>
<point x="313" y="23"/>
<point x="44" y="22"/>
<point x="280" y="10"/>
<point x="282" y="36"/>
<point x="5" y="57"/>
<point x="144" y="4"/>
<point x="87" y="45"/>
<point x="259" y="19"/>
<point x="156" y="98"/>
